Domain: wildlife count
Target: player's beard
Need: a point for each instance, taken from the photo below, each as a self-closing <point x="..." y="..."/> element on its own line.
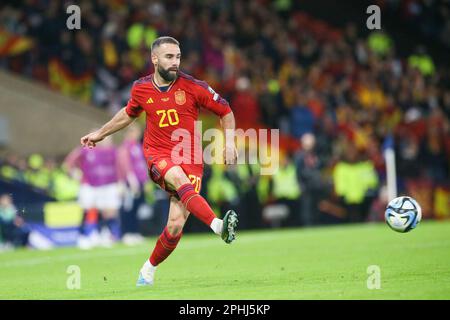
<point x="168" y="75"/>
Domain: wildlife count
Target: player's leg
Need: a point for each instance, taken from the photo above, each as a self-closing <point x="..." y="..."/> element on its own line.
<point x="171" y="234"/>
<point x="176" y="179"/>
<point x="166" y="242"/>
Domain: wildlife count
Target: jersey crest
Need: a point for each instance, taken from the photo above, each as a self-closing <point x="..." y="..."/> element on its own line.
<point x="180" y="97"/>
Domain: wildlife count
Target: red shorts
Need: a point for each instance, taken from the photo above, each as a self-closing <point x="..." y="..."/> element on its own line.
<point x="158" y="168"/>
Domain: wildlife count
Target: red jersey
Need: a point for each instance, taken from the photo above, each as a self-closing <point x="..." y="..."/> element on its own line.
<point x="176" y="108"/>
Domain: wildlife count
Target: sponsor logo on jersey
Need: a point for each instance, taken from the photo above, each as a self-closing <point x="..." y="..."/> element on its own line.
<point x="164" y="99"/>
<point x="150" y="100"/>
<point x="180" y="97"/>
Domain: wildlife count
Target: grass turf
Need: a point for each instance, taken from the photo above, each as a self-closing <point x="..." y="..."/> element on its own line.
<point x="314" y="263"/>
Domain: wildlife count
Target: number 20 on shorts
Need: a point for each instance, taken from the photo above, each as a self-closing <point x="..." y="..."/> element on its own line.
<point x="168" y="118"/>
<point x="196" y="182"/>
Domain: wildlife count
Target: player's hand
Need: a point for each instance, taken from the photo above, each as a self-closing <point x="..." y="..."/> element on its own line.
<point x="90" y="140"/>
<point x="230" y="154"/>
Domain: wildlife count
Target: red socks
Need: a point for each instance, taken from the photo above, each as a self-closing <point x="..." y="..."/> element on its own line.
<point x="196" y="204"/>
<point x="164" y="247"/>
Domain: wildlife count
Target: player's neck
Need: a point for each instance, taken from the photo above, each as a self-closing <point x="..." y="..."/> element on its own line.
<point x="160" y="81"/>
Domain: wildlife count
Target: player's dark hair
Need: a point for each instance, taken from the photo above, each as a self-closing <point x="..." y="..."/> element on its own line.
<point x="161" y="40"/>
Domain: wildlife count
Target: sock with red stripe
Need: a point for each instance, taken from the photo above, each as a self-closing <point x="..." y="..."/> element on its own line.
<point x="196" y="204"/>
<point x="164" y="246"/>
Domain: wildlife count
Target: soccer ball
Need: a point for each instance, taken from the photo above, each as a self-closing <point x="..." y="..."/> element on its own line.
<point x="403" y="214"/>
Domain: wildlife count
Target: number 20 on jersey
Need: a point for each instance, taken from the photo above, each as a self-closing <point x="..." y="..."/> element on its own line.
<point x="168" y="118"/>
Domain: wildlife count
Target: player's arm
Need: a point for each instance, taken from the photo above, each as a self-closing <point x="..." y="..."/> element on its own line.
<point x="212" y="101"/>
<point x="120" y="120"/>
<point x="229" y="125"/>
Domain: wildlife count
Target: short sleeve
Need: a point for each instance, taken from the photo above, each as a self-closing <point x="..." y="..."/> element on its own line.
<point x="212" y="101"/>
<point x="133" y="109"/>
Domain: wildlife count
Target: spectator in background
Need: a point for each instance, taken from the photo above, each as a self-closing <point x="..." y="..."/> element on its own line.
<point x="37" y="173"/>
<point x="13" y="231"/>
<point x="422" y="61"/>
<point x="380" y="43"/>
<point x="134" y="170"/>
<point x="309" y="178"/>
<point x="434" y="155"/>
<point x="302" y="119"/>
<point x="268" y="101"/>
<point x="221" y="190"/>
<point x="285" y="189"/>
<point x="100" y="190"/>
<point x="355" y="182"/>
<point x="63" y="186"/>
<point x="9" y="169"/>
<point x="246" y="181"/>
<point x="245" y="104"/>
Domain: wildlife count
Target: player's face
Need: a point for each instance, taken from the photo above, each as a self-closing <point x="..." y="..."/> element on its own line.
<point x="166" y="59"/>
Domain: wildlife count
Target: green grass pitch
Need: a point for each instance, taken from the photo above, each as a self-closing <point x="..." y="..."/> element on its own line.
<point x="315" y="263"/>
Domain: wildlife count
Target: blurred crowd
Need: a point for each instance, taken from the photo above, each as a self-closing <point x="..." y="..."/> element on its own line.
<point x="340" y="97"/>
<point x="431" y="18"/>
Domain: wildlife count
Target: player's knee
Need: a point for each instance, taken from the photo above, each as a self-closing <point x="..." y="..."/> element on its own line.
<point x="177" y="177"/>
<point x="181" y="179"/>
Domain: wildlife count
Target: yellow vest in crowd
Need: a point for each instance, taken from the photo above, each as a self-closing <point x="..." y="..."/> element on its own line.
<point x="285" y="184"/>
<point x="245" y="172"/>
<point x="379" y="43"/>
<point x="8" y="172"/>
<point x="220" y="188"/>
<point x="422" y="62"/>
<point x="64" y="188"/>
<point x="353" y="180"/>
<point x="39" y="178"/>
